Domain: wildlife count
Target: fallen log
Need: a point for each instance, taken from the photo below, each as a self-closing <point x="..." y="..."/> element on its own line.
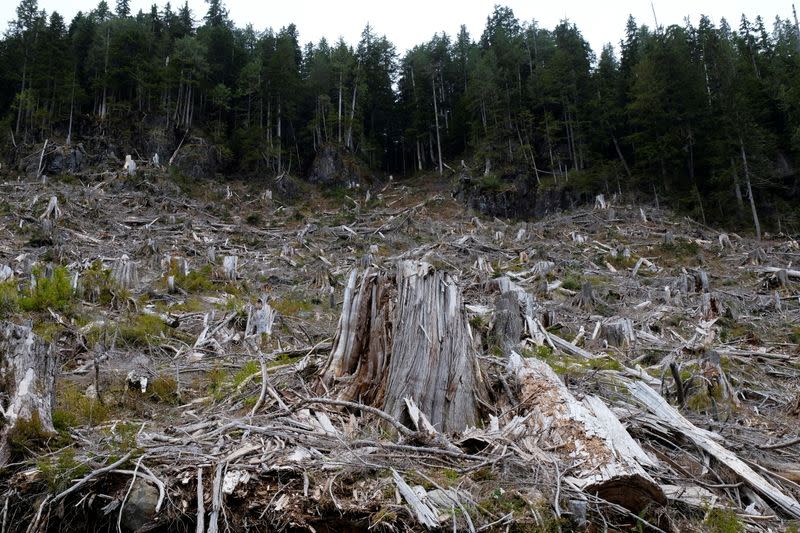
<point x="707" y="441"/>
<point x="601" y="456"/>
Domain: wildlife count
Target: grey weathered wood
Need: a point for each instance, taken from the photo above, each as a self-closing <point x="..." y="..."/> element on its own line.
<point x="602" y="457"/>
<point x="125" y="272"/>
<point x="426" y="515"/>
<point x="708" y="442"/>
<point x="28" y="367"/>
<point x="508" y="323"/>
<point x="419" y="348"/>
<point x="432" y="358"/>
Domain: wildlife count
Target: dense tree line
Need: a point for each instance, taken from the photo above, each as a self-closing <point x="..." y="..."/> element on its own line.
<point x="700" y="115"/>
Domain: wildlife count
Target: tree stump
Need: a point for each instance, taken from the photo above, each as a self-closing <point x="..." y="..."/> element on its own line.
<point x="618" y="332"/>
<point x="585" y="299"/>
<point x="508" y="325"/>
<point x="125" y="272"/>
<point x="419" y="348"/>
<point x="28" y="367"/>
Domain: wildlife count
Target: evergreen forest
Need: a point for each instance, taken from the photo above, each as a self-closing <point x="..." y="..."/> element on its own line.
<point x="704" y="118"/>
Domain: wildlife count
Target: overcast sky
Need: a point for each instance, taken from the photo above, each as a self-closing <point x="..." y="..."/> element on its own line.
<point x="410" y="22"/>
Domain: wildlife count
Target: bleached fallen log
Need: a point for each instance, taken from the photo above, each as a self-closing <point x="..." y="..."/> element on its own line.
<point x="708" y="442"/>
<point x="28" y="365"/>
<point x="602" y="457"/>
<point x="776" y="270"/>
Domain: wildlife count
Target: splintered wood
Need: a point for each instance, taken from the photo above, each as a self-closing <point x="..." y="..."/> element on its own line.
<point x="601" y="456"/>
<point x="28" y="368"/>
<point x="418" y="348"/>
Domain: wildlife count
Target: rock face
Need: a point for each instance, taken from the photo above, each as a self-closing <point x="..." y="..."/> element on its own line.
<point x="517" y="197"/>
<point x="332" y="167"/>
<point x="197" y="159"/>
<point x="140" y="507"/>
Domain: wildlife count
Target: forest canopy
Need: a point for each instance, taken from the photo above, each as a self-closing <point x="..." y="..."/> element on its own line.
<point x="690" y="113"/>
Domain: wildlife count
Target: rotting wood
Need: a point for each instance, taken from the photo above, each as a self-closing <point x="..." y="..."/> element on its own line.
<point x="602" y="457"/>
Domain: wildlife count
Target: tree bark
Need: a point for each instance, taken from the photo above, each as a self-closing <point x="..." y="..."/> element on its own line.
<point x="419" y="348"/>
<point x="602" y="457"/>
<point x="750" y="191"/>
<point x="436" y="116"/>
<point x="28" y="367"/>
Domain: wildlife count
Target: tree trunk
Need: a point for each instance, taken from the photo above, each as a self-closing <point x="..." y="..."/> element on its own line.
<point x="28" y="367"/>
<point x="419" y="348"/>
<point x="436" y="116"/>
<point x="586" y="436"/>
<point x="750" y="191"/>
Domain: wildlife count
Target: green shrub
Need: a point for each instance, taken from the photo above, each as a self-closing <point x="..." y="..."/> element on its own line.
<point x="97" y="284"/>
<point x="54" y="292"/>
<point x="9" y="299"/>
<point x="28" y="434"/>
<point x="59" y="472"/>
<point x="74" y="408"/>
<point x="142" y="329"/>
<point x="723" y="521"/>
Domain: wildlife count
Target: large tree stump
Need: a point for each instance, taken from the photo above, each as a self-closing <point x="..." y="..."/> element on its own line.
<point x="418" y="347"/>
<point x="28" y="367"/>
<point x="433" y="361"/>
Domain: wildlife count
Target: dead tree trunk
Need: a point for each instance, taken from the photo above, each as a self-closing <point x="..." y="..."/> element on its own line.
<point x="419" y="348"/>
<point x="601" y="456"/>
<point x="28" y="367"/>
<point x="433" y="361"/>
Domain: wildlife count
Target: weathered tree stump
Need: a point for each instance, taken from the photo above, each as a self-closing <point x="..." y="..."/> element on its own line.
<point x="419" y="348"/>
<point x="585" y="299"/>
<point x="508" y="325"/>
<point x="28" y="367"/>
<point x="618" y="332"/>
<point x="125" y="272"/>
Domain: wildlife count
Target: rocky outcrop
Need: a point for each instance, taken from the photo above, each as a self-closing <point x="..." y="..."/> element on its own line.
<point x="517" y="196"/>
<point x="196" y="159"/>
<point x="333" y="166"/>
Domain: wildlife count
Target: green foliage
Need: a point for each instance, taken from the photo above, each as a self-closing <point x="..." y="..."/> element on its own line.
<point x="141" y="330"/>
<point x="28" y="435"/>
<point x="59" y="471"/>
<point x="722" y="521"/>
<point x="9" y="299"/>
<point x="53" y="293"/>
<point x="74" y="408"/>
<point x="292" y="305"/>
<point x="164" y="389"/>
<point x="247" y="370"/>
<point x="215" y="383"/>
<point x="97" y="284"/>
<point x="572" y="282"/>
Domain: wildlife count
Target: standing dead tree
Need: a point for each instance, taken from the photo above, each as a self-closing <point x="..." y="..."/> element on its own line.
<point x="28" y="369"/>
<point x="418" y="348"/>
